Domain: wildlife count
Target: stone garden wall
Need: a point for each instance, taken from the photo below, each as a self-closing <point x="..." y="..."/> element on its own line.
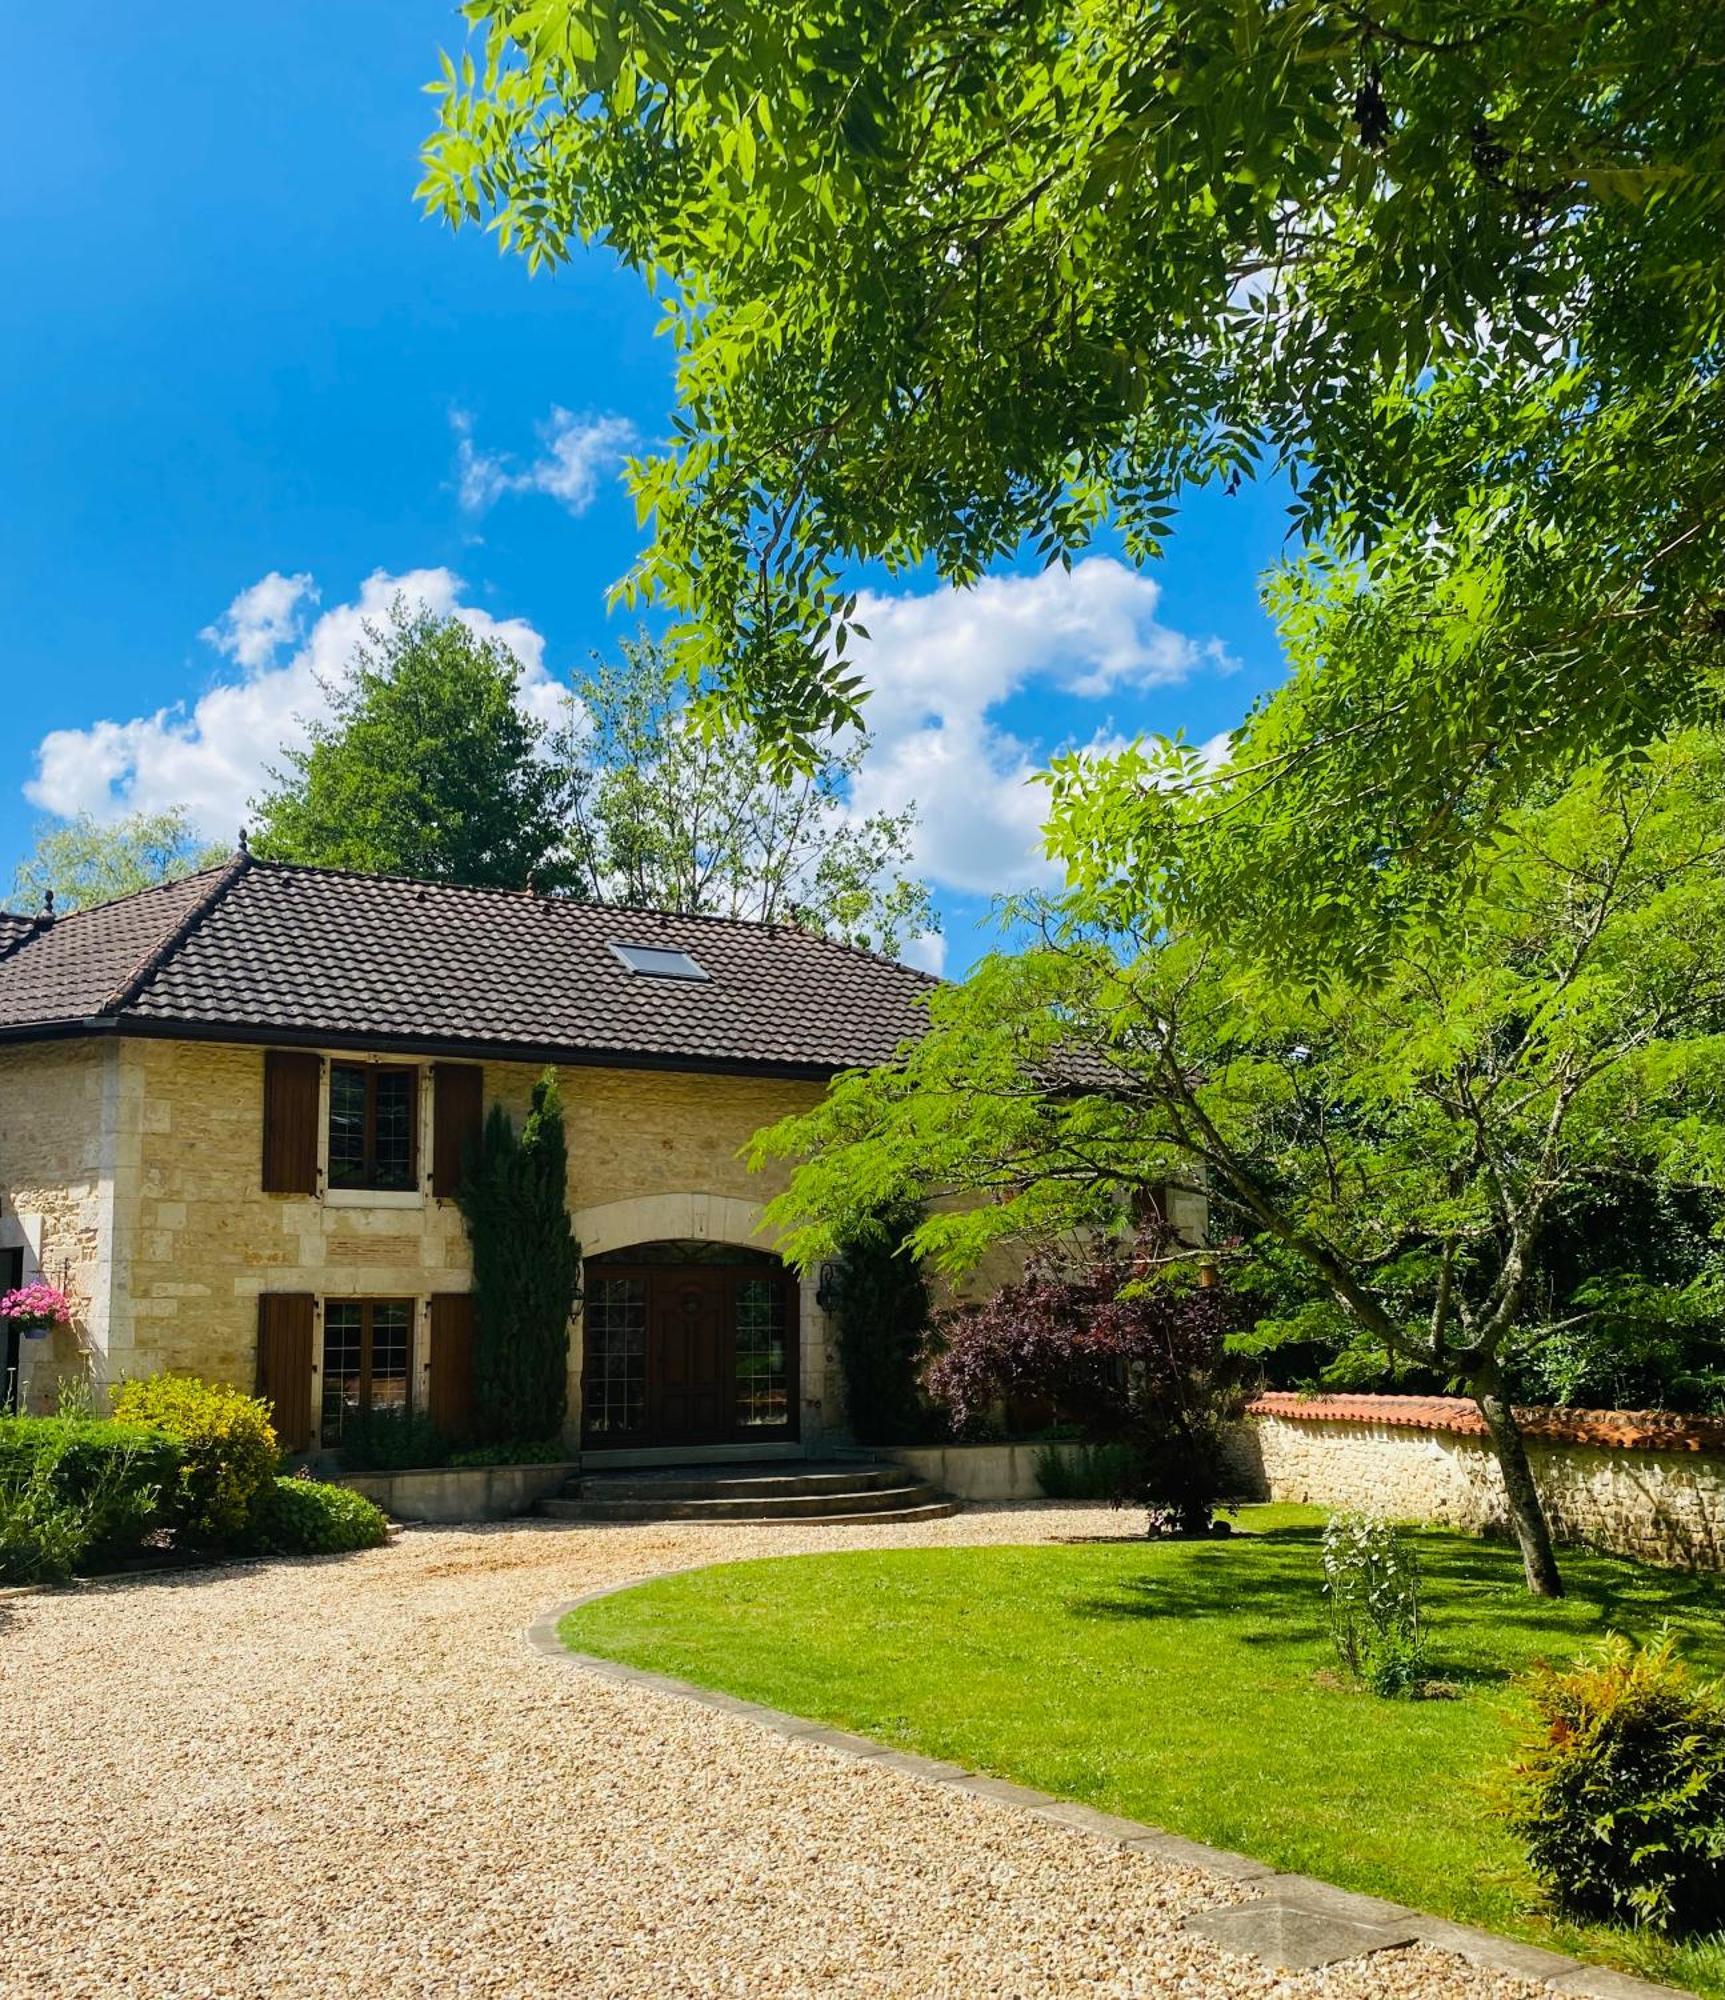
<point x="982" y="1472"/>
<point x="1648" y="1486"/>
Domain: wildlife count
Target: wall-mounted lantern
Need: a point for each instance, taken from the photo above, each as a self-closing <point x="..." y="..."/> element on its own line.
<point x="829" y="1287"/>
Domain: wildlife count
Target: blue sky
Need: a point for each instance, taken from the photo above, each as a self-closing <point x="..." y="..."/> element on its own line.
<point x="243" y="386"/>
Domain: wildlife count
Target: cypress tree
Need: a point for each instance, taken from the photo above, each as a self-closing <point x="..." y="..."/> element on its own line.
<point x="526" y="1270"/>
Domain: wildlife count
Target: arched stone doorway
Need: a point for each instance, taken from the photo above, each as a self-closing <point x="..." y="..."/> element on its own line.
<point x="688" y="1343"/>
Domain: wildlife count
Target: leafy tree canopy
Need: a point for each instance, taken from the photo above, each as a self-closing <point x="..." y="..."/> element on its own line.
<point x="668" y="814"/>
<point x="1625" y="1309"/>
<point x="427" y="765"/>
<point x="84" y="861"/>
<point x="948" y="280"/>
<point x="1409" y="1145"/>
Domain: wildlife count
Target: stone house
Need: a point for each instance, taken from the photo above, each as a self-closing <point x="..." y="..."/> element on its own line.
<point x="232" y="1114"/>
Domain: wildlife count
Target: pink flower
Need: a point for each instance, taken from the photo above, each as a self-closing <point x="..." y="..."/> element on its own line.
<point x="36" y="1305"/>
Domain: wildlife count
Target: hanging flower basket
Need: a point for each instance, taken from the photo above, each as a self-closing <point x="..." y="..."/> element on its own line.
<point x="35" y="1310"/>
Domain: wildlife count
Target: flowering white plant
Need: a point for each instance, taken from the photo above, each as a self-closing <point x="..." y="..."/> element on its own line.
<point x="1372" y="1582"/>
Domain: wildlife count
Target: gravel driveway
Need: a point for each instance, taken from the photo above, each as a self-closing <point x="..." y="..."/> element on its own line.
<point x="350" y="1777"/>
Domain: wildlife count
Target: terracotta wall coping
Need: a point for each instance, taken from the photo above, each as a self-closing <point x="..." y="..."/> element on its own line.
<point x="1625" y="1430"/>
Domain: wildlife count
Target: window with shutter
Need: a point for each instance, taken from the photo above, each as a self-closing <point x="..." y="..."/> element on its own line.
<point x="292" y="1079"/>
<point x="458" y="1110"/>
<point x="373" y="1127"/>
<point x="284" y="1364"/>
<point x="367" y="1362"/>
<point x="450" y="1398"/>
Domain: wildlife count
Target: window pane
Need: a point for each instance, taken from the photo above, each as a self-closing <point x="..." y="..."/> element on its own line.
<point x="393" y="1152"/>
<point x="615" y="1332"/>
<point x="391" y="1341"/>
<point x="763" y="1375"/>
<point x="342" y="1386"/>
<point x="346" y="1126"/>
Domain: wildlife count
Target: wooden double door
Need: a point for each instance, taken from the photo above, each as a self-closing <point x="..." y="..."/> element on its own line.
<point x="696" y="1353"/>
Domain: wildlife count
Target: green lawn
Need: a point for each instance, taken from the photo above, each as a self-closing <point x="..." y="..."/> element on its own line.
<point x="1185" y="1684"/>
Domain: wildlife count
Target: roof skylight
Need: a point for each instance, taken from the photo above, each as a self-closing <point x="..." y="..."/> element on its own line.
<point x="658" y="963"/>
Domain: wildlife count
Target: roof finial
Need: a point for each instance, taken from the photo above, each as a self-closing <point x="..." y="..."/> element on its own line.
<point x="245" y="842"/>
<point x="45" y="916"/>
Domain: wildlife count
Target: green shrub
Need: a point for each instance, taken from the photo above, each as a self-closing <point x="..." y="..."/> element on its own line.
<point x="304" y="1517"/>
<point x="1395" y="1664"/>
<point x="1620" y="1793"/>
<point x="1087" y="1471"/>
<point x="1372" y="1583"/>
<point x="881" y="1320"/>
<point x="538" y="1451"/>
<point x="76" y="1492"/>
<point x="392" y="1441"/>
<point x="228" y="1451"/>
<point x="43" y="1538"/>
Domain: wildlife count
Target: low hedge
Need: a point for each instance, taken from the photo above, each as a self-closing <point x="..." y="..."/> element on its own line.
<point x="535" y="1451"/>
<point x="76" y="1492"/>
<point x="296" y="1516"/>
<point x="228" y="1451"/>
<point x="392" y="1441"/>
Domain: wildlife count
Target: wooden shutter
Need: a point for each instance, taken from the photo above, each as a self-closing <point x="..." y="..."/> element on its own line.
<point x="291" y="1083"/>
<point x="458" y="1105"/>
<point x="451" y="1398"/>
<point x="284" y="1364"/>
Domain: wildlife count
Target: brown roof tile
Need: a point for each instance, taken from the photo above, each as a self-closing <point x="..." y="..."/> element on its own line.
<point x="262" y="951"/>
<point x="1625" y="1430"/>
<point x="68" y="970"/>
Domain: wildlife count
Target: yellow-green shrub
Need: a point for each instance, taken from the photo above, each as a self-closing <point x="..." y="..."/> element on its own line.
<point x="227" y="1446"/>
<point x="1620" y="1794"/>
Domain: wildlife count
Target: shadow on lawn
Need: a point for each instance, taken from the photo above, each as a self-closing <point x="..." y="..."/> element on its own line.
<point x="1269" y="1585"/>
<point x="1273" y="1579"/>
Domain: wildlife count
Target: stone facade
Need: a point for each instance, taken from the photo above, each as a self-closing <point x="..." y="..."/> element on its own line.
<point x="1660" y="1506"/>
<point x="131" y="1170"/>
<point x="59" y="1141"/>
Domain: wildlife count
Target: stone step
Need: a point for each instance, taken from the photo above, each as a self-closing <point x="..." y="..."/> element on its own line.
<point x="851" y="1503"/>
<point x="880" y="1517"/>
<point x="940" y="1508"/>
<point x="731" y="1482"/>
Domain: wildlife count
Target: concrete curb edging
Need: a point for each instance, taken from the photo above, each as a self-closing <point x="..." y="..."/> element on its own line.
<point x="1301" y="1898"/>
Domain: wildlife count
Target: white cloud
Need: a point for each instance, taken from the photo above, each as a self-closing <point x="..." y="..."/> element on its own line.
<point x="212" y="757"/>
<point x="576" y="453"/>
<point x="261" y="620"/>
<point x="927" y="953"/>
<point x="939" y="663"/>
<point x="943" y="665"/>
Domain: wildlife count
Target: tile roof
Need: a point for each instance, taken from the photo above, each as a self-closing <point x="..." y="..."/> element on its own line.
<point x="77" y="965"/>
<point x="1624" y="1430"/>
<point x="258" y="950"/>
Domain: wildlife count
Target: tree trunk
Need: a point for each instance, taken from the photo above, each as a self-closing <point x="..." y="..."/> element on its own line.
<point x="1526" y="1514"/>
